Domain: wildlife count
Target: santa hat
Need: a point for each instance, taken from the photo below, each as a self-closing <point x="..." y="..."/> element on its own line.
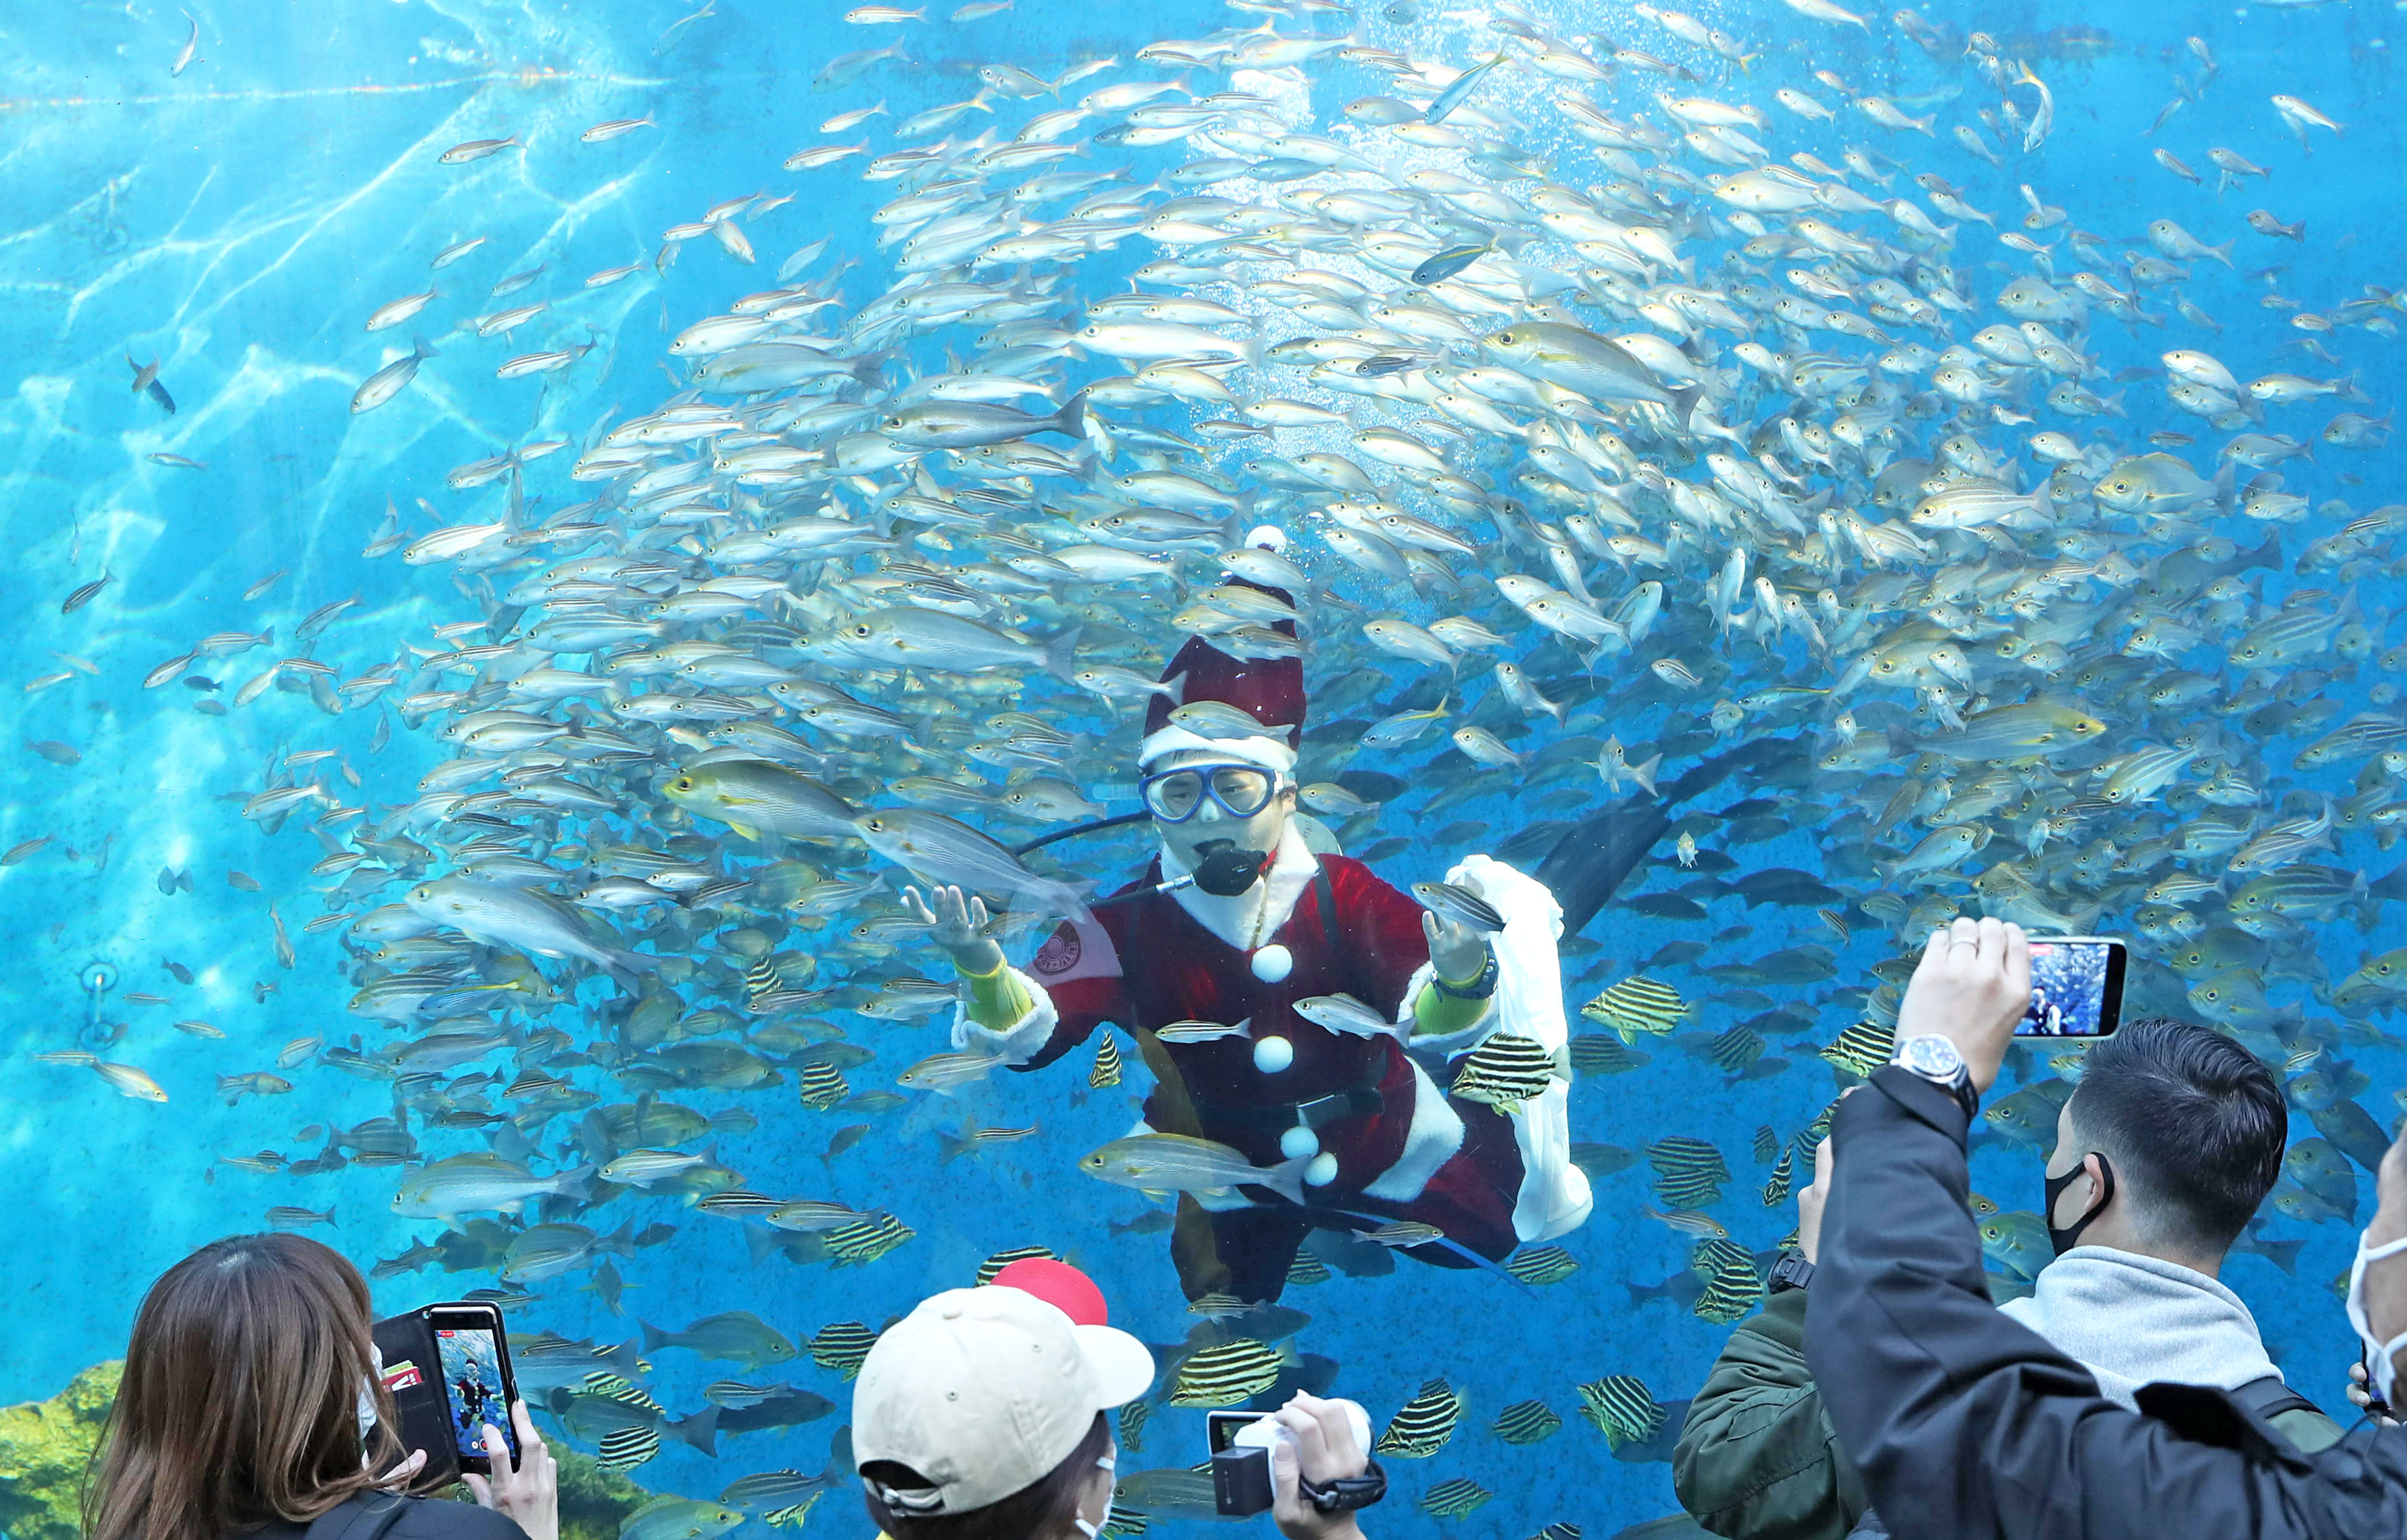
<point x="1271" y="690"/>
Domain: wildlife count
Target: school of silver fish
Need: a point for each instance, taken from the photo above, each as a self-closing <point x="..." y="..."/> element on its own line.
<point x="1621" y="400"/>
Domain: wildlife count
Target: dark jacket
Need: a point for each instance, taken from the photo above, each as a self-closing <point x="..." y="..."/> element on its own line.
<point x="418" y="1519"/>
<point x="1966" y="1424"/>
<point x="1758" y="1459"/>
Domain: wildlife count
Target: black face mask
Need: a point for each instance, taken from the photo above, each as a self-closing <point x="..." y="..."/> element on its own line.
<point x="2070" y="1236"/>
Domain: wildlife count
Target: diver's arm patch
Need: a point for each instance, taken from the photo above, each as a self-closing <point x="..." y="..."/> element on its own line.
<point x="1077" y="950"/>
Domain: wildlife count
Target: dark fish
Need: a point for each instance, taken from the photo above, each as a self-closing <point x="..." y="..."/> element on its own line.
<point x="1775" y="1191"/>
<point x="1446" y="264"/>
<point x="1541" y="1265"/>
<point x="1733" y="1051"/>
<point x="761" y="979"/>
<point x="1688" y="1172"/>
<point x="1305" y="1269"/>
<point x="1786" y="886"/>
<point x="1527" y="1422"/>
<point x="1450" y="901"/>
<point x="1594" y="1054"/>
<point x="1733" y="1291"/>
<point x="1225" y="1374"/>
<point x="1001" y="1260"/>
<point x="841" y="1346"/>
<point x="1637" y="1005"/>
<point x="84" y="595"/>
<point x="1621" y="1408"/>
<point x="864" y="1240"/>
<point x="1506" y="1071"/>
<point x="624" y="1448"/>
<point x="788" y="1407"/>
<point x="775" y="1492"/>
<point x="1106" y="1072"/>
<point x="823" y="1086"/>
<point x="1862" y="1049"/>
<point x="1460" y="88"/>
<point x="1453" y="1497"/>
<point x="2353" y="1129"/>
<point x="1767" y="1144"/>
<point x="1424" y="1423"/>
<point x="1600" y="1161"/>
<point x="845" y="1138"/>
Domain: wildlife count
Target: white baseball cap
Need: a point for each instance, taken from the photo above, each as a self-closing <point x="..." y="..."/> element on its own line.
<point x="984" y="1391"/>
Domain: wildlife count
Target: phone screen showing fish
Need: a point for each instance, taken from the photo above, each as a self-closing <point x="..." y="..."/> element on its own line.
<point x="477" y="1383"/>
<point x="2077" y="987"/>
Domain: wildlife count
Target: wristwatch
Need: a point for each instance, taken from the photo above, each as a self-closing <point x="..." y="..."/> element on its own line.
<point x="1936" y="1060"/>
<point x="1792" y="1271"/>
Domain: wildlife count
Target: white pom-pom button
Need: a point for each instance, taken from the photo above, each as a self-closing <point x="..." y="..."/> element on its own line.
<point x="1299" y="1143"/>
<point x="1267" y="537"/>
<point x="1273" y="963"/>
<point x="1322" y="1171"/>
<point x="1272" y="1054"/>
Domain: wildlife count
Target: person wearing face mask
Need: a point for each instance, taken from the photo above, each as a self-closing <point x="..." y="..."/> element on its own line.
<point x="2163" y="1154"/>
<point x="1964" y="1422"/>
<point x="251" y="1407"/>
<point x="985" y="1415"/>
<point x="1292" y="1005"/>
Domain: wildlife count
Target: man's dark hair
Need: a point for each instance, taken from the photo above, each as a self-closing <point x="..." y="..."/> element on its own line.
<point x="2193" y="1122"/>
<point x="1042" y="1510"/>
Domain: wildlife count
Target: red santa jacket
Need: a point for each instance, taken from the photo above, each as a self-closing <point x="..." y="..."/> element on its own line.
<point x="1166" y="967"/>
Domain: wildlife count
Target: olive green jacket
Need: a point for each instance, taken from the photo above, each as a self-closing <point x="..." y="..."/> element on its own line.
<point x="1758" y="1459"/>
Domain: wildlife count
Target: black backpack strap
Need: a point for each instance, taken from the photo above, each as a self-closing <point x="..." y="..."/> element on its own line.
<point x="2269" y="1398"/>
<point x="366" y="1516"/>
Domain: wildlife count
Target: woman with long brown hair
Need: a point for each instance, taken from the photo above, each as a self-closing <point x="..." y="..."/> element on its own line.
<point x="244" y="1411"/>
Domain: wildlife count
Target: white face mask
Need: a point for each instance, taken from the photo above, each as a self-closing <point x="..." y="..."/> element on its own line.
<point x="2380" y="1372"/>
<point x="1090" y="1531"/>
<point x="366" y="1409"/>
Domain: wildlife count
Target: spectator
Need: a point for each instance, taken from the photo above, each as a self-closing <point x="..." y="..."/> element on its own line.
<point x="2162" y="1155"/>
<point x="982" y="1415"/>
<point x="246" y="1408"/>
<point x="1965" y="1423"/>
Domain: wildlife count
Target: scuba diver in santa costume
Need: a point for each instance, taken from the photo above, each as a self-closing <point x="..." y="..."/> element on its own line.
<point x="1235" y="921"/>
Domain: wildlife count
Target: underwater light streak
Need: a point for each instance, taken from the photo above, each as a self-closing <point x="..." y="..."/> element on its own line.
<point x="526" y="79"/>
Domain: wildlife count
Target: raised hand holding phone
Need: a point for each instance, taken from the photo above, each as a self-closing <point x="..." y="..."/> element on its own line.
<point x="1971" y="987"/>
<point x="529" y="1493"/>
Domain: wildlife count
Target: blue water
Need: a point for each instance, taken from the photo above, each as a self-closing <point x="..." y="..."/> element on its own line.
<point x="238" y="222"/>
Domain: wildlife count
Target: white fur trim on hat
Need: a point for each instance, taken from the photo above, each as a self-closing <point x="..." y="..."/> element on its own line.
<point x="1270" y="753"/>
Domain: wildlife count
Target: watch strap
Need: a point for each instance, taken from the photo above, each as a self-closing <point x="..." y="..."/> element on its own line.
<point x="1792" y="1271"/>
<point x="1346" y="1493"/>
<point x="1477" y="988"/>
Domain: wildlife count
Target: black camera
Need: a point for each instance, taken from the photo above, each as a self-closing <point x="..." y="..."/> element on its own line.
<point x="1241" y="1466"/>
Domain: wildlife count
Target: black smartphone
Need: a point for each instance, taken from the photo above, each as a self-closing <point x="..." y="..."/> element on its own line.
<point x="448" y="1367"/>
<point x="2077" y="987"/>
<point x="473" y="1354"/>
